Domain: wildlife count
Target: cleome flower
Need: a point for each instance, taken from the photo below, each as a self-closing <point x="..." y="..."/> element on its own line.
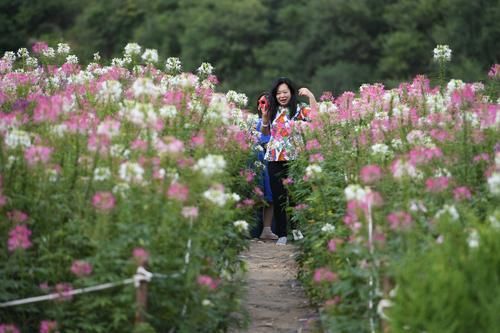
<point x="210" y="165"/>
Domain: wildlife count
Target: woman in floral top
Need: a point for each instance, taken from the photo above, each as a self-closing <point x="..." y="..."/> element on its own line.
<point x="283" y="145"/>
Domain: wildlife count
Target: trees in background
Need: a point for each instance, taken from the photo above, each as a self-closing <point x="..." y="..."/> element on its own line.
<point x="326" y="44"/>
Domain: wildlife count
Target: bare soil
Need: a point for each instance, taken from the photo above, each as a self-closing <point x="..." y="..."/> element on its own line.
<point x="275" y="299"/>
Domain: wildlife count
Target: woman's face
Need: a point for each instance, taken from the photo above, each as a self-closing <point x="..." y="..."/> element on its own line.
<point x="283" y="95"/>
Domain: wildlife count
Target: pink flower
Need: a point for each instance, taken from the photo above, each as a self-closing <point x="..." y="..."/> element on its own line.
<point x="64" y="290"/>
<point x="208" y="281"/>
<point x="462" y="193"/>
<point x="17" y="216"/>
<point x="19" y="238"/>
<point x="39" y="47"/>
<point x="370" y="173"/>
<point x="103" y="201"/>
<point x="8" y="328"/>
<point x="312" y="145"/>
<point x="37" y="154"/>
<point x="139" y="144"/>
<point x="437" y="184"/>
<point x="316" y="158"/>
<point x="333" y="301"/>
<point x="333" y="243"/>
<point x="323" y="274"/>
<point x="288" y="181"/>
<point x="177" y="191"/>
<point x="249" y="175"/>
<point x="140" y="255"/>
<point x="300" y="207"/>
<point x="248" y="202"/>
<point x="48" y="326"/>
<point x="197" y="140"/>
<point x="494" y="72"/>
<point x="481" y="157"/>
<point x="399" y="220"/>
<point x="423" y="155"/>
<point x="81" y="268"/>
<point x="3" y="200"/>
<point x="258" y="191"/>
<point x="189" y="212"/>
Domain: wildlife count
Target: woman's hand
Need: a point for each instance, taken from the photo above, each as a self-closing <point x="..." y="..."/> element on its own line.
<point x="310" y="95"/>
<point x="305" y="92"/>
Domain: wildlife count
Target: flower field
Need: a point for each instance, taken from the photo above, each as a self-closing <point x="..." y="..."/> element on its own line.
<point x="399" y="196"/>
<point x="108" y="168"/>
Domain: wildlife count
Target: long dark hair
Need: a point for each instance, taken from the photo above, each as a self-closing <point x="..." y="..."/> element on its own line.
<point x="266" y="94"/>
<point x="292" y="105"/>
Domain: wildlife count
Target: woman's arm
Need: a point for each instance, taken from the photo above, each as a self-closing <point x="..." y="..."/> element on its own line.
<point x="310" y="95"/>
<point x="265" y="126"/>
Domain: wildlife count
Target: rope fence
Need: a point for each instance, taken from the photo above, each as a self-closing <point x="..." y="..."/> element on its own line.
<point x="140" y="280"/>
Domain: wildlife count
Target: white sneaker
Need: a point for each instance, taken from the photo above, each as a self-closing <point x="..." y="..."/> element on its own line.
<point x="281" y="241"/>
<point x="297" y="235"/>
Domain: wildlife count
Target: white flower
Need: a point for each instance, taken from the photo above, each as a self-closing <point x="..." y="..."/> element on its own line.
<point x="494" y="183"/>
<point x="131" y="172"/>
<point x="205" y="69"/>
<point x="313" y="171"/>
<point x="168" y="111"/>
<point x="473" y="239"/>
<point x="417" y="205"/>
<point x="401" y="168"/>
<point x="328" y="228"/>
<point x="173" y="65"/>
<point x="150" y="56"/>
<point x="145" y="87"/>
<point x="453" y="85"/>
<point x="23" y="53"/>
<point x="417" y="137"/>
<point x="207" y="302"/>
<point x="49" y="52"/>
<point x="9" y="56"/>
<point x="17" y="138"/>
<point x="235" y="197"/>
<point x="356" y="192"/>
<point x="210" y="165"/>
<point x="451" y="210"/>
<point x="59" y="130"/>
<point x="72" y="59"/>
<point x="327" y="107"/>
<point x="121" y="189"/>
<point x="381" y="149"/>
<point x="397" y="143"/>
<point x="241" y="225"/>
<point x="132" y="49"/>
<point x="495" y="223"/>
<point x="118" y="150"/>
<point x="216" y="196"/>
<point x="97" y="57"/>
<point x="109" y="92"/>
<point x="102" y="173"/>
<point x="240" y="100"/>
<point x="442" y="53"/>
<point x="31" y="62"/>
<point x="63" y="48"/>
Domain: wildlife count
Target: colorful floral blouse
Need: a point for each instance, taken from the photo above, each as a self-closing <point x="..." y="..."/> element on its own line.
<point x="285" y="139"/>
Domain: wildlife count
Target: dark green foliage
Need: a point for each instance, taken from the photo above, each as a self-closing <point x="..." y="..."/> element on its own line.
<point x="330" y="45"/>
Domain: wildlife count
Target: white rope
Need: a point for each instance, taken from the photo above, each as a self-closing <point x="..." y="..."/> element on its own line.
<point x="141" y="275"/>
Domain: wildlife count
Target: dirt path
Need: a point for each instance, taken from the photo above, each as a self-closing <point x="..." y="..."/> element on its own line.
<point x="275" y="299"/>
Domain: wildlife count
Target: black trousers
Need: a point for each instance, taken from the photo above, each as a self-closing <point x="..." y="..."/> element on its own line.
<point x="277" y="172"/>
